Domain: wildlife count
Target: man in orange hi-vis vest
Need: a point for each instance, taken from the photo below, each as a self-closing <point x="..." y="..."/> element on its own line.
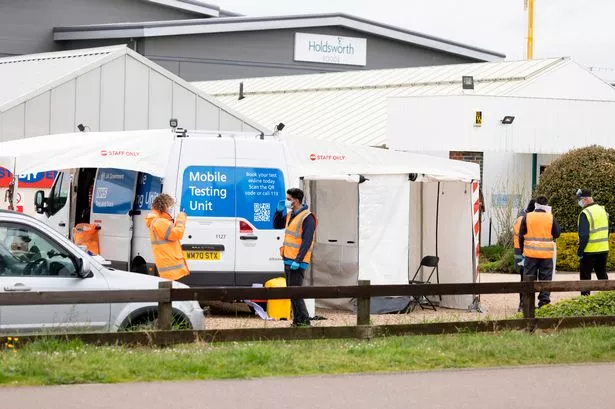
<point x="165" y="235"/>
<point x="519" y="262"/>
<point x="300" y="225"/>
<point x="537" y="235"/>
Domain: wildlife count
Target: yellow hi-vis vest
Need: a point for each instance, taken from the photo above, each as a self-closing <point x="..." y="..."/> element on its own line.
<point x="292" y="237"/>
<point x="538" y="241"/>
<point x="598" y="220"/>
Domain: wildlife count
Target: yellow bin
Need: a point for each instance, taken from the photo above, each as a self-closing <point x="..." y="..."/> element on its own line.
<point x="278" y="309"/>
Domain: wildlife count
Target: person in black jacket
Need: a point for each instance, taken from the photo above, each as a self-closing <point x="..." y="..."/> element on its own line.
<point x="300" y="224"/>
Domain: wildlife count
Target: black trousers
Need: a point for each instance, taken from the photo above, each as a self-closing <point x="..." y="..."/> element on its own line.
<point x="294" y="278"/>
<point x="593" y="262"/>
<point x="542" y="268"/>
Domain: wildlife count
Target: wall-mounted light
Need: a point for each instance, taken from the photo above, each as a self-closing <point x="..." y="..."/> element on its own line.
<point x="467" y="82"/>
<point x="508" y="119"/>
<point x="82" y="127"/>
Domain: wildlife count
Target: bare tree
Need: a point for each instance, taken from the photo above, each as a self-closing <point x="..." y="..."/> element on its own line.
<point x="507" y="198"/>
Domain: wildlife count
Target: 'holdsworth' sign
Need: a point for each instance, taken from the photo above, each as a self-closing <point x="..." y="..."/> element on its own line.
<point x="330" y="49"/>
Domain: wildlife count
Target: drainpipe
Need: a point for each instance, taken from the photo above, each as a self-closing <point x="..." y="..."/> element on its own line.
<point x="534" y="172"/>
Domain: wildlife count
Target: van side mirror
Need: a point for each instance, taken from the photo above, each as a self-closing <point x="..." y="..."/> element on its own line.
<point x="39" y="201"/>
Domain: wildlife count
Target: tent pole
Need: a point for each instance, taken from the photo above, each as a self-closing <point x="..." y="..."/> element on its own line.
<point x="437" y="223"/>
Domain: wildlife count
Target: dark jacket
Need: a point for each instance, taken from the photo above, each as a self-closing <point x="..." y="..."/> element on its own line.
<point x="555" y="230"/>
<point x="307" y="235"/>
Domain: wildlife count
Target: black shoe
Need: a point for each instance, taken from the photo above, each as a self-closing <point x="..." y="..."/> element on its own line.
<point x="543" y="304"/>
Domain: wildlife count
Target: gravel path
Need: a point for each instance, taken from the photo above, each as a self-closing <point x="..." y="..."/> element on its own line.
<point x="496" y="306"/>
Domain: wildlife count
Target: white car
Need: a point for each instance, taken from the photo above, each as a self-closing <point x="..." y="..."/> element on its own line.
<point x="34" y="257"/>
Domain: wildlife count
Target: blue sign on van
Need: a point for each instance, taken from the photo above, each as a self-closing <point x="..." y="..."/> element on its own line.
<point x="114" y="191"/>
<point x="148" y="187"/>
<point x="226" y="191"/>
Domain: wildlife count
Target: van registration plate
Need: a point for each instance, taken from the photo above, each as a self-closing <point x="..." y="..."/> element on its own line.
<point x="203" y="255"/>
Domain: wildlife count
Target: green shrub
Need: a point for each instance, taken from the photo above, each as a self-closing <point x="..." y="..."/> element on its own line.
<point x="497" y="259"/>
<point x="602" y="303"/>
<point x="567" y="246"/>
<point x="592" y="167"/>
<point x="491" y="253"/>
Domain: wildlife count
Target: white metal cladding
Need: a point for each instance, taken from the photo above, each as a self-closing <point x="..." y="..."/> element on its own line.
<point x="351" y="107"/>
<point x="107" y="89"/>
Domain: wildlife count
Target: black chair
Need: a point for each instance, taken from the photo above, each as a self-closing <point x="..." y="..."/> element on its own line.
<point x="421" y="300"/>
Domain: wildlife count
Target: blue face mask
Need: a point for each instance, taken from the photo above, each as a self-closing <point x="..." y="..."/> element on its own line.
<point x="289" y="204"/>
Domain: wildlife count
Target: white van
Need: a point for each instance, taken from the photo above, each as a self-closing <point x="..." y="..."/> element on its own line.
<point x="228" y="185"/>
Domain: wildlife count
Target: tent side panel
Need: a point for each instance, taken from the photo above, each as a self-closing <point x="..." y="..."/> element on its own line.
<point x="63" y="108"/>
<point x="207" y="115"/>
<point x="137" y="95"/>
<point x="88" y="100"/>
<point x="112" y="98"/>
<point x="184" y="107"/>
<point x="384" y="217"/>
<point x="160" y="101"/>
<point x="335" y="256"/>
<point x="37" y="115"/>
<point x="229" y="123"/>
<point x="13" y="126"/>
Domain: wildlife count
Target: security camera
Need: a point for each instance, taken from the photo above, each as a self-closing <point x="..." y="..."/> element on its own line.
<point x="173" y="123"/>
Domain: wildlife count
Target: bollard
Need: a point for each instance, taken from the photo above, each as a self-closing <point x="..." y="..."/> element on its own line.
<point x="363" y="307"/>
<point x="165" y="310"/>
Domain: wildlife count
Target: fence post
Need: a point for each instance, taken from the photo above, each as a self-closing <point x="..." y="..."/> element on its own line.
<point x="363" y="307"/>
<point x="165" y="310"/>
<point x="529" y="301"/>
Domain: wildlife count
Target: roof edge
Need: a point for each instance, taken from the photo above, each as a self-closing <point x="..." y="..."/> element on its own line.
<point x="112" y="53"/>
<point x="160" y="28"/>
<point x="193" y="6"/>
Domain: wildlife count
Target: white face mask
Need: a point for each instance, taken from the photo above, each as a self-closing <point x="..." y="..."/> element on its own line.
<point x="580" y="203"/>
<point x="289" y="204"/>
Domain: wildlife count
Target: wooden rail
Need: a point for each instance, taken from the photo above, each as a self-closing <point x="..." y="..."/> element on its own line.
<point x="363" y="292"/>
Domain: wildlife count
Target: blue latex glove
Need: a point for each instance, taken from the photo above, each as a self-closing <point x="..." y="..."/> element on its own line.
<point x="580" y="257"/>
<point x="281" y="206"/>
<point x="295" y="266"/>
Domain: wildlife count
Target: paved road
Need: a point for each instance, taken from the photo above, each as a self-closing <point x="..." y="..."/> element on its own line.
<point x="515" y="388"/>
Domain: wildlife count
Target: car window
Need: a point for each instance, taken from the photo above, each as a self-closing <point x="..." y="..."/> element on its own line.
<point x="25" y="251"/>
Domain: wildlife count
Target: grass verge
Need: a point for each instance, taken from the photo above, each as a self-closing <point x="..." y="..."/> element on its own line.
<point x="54" y="362"/>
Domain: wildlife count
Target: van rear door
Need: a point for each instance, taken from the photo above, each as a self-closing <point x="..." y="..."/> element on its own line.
<point x="260" y="185"/>
<point x="112" y="204"/>
<point x="206" y="192"/>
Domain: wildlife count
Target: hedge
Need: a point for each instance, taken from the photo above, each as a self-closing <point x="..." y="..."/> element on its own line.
<point x="567" y="246"/>
<point x="592" y="167"/>
<point x="599" y="304"/>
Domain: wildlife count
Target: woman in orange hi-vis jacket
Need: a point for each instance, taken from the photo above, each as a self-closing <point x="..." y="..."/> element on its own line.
<point x="165" y="235"/>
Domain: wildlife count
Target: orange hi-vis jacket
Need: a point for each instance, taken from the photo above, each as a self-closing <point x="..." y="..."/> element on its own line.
<point x="516" y="229"/>
<point x="165" y="236"/>
<point x="292" y="237"/>
<point x="538" y="242"/>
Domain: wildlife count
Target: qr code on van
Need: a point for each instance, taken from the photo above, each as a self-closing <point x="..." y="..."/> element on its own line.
<point x="262" y="212"/>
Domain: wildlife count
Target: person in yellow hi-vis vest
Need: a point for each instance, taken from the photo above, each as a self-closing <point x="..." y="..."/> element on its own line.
<point x="537" y="235"/>
<point x="300" y="225"/>
<point x="593" y="225"/>
<point x="165" y="235"/>
<point x="518" y="253"/>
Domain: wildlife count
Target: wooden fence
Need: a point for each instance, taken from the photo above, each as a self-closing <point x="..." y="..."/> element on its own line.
<point x="363" y="292"/>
